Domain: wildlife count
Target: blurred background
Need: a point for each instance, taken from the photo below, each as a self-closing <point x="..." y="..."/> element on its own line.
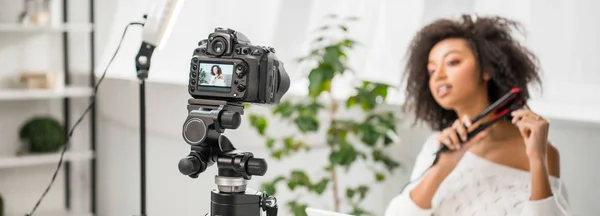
<point x="48" y="56"/>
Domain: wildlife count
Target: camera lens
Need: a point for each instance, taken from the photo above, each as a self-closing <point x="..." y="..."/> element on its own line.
<point x="218" y="46"/>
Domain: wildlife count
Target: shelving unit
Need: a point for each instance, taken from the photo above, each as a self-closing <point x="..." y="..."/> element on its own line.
<point x="65" y="95"/>
<point x="43" y="159"/>
<point x="77" y="27"/>
<point x="34" y="94"/>
<point x="58" y="214"/>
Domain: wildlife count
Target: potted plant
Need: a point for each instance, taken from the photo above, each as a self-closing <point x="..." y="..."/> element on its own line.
<point x="349" y="140"/>
<point x="41" y="135"/>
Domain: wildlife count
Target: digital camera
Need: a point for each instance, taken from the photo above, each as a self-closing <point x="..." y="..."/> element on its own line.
<point x="227" y="67"/>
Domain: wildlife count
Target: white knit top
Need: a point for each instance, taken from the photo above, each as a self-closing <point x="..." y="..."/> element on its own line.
<point x="479" y="187"/>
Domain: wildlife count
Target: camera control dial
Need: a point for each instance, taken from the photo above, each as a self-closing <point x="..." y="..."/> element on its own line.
<point x="194" y="131"/>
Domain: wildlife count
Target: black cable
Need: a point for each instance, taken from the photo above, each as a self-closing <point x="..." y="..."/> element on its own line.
<point x="60" y="161"/>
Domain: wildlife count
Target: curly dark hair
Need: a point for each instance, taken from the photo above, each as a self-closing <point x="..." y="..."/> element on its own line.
<point x="496" y="51"/>
<point x="212" y="70"/>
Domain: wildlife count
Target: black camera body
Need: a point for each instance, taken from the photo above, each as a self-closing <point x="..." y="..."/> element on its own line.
<point x="227" y="67"/>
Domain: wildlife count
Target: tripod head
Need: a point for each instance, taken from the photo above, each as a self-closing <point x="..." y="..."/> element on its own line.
<point x="203" y="128"/>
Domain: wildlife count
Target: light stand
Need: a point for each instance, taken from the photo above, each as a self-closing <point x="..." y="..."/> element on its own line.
<point x="157" y="28"/>
<point x="142" y="64"/>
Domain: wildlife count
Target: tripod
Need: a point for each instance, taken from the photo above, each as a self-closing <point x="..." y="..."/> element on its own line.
<point x="203" y="128"/>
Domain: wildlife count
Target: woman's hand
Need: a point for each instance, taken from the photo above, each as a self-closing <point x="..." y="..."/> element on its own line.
<point x="423" y="193"/>
<point x="454" y="138"/>
<point x="534" y="130"/>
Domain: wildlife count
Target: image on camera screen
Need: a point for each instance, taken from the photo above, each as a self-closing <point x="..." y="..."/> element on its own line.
<point x="215" y="77"/>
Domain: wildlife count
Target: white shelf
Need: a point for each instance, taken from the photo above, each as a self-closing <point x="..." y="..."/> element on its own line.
<point x="30" y="94"/>
<point x="43" y="159"/>
<point x="55" y="213"/>
<point x="16" y="27"/>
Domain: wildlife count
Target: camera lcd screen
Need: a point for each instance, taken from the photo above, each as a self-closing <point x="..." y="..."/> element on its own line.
<point x="215" y="77"/>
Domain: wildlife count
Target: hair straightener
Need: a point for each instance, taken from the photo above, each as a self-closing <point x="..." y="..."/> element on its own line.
<point x="502" y="109"/>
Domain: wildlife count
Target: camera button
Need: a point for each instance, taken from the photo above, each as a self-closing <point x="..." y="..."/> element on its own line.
<point x="193" y="82"/>
<point x="257" y="52"/>
<point x="236" y="82"/>
<point x="241" y="87"/>
<point x="245" y="51"/>
<point x="193" y="74"/>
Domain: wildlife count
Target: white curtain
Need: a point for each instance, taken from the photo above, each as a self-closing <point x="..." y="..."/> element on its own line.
<point x="563" y="33"/>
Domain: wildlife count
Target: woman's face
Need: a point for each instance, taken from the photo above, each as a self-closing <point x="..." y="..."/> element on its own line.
<point x="215" y="70"/>
<point x="454" y="76"/>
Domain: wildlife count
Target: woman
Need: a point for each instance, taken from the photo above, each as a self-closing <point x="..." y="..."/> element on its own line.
<point x="218" y="78"/>
<point x="455" y="70"/>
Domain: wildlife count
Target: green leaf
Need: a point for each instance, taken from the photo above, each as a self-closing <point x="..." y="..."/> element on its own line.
<point x="351" y="102"/>
<point x="368" y="134"/>
<point x="288" y="142"/>
<point x="307" y="122"/>
<point x="350" y="193"/>
<point x="368" y="103"/>
<point x="297" y="209"/>
<point x="379" y="156"/>
<point x="314" y="107"/>
<point x="319" y="80"/>
<point x="285" y="109"/>
<point x="380" y="90"/>
<point x="269" y="188"/>
<point x="344" y="28"/>
<point x="292" y="185"/>
<point x="379" y="177"/>
<point x="270" y="143"/>
<point x="319" y="39"/>
<point x="299" y="178"/>
<point x="258" y="122"/>
<point x="349" y="43"/>
<point x="362" y="191"/>
<point x="345" y="155"/>
<point x="320" y="187"/>
<point x="358" y="211"/>
<point x="323" y="28"/>
<point x="277" y="154"/>
<point x="332" y="57"/>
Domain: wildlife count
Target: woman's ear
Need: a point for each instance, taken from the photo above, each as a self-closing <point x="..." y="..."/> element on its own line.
<point x="487" y="76"/>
